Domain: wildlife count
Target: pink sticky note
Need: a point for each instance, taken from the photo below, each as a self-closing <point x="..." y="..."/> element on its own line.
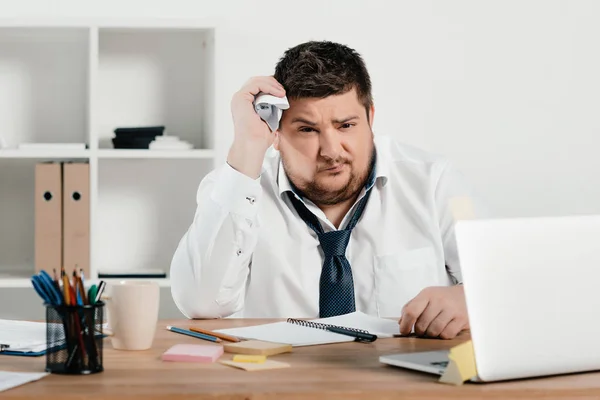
<point x="193" y="353"/>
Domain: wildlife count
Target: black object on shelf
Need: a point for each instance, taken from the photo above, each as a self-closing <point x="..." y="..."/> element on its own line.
<point x="136" y="137"/>
<point x="132" y="275"/>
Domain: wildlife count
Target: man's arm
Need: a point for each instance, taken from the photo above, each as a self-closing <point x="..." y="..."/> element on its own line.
<point x="210" y="267"/>
<point x="455" y="199"/>
<point x="441" y="311"/>
<point x="211" y="263"/>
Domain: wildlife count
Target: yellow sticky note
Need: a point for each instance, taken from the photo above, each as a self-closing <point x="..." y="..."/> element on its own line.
<point x="451" y="374"/>
<point x="249" y="358"/>
<point x="461" y="367"/>
<point x="257" y="348"/>
<point x="269" y="364"/>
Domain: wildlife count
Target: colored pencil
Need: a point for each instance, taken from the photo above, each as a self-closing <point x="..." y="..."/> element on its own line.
<point x="194" y="334"/>
<point x="215" y="334"/>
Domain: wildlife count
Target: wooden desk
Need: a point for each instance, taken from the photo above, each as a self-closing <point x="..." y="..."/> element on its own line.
<point x="339" y="371"/>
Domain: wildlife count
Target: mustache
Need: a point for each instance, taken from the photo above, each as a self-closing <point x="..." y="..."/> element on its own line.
<point x="334" y="163"/>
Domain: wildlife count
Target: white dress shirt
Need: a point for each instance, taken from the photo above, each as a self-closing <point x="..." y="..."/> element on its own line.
<point x="247" y="252"/>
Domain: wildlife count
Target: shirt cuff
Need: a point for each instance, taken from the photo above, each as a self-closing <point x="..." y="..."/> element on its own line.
<point x="237" y="193"/>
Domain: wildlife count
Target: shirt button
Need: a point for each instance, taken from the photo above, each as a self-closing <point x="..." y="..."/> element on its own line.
<point x="238" y="252"/>
<point x="251" y="200"/>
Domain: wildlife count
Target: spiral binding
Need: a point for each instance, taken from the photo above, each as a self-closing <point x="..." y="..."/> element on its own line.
<point x="320" y="325"/>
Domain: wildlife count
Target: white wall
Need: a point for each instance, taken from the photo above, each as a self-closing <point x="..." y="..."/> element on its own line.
<point x="509" y="90"/>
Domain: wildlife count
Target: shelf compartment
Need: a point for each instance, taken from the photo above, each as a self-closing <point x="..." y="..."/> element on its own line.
<point x="144" y="207"/>
<point x="17" y="219"/>
<point x="156" y="77"/>
<point x="44" y="81"/>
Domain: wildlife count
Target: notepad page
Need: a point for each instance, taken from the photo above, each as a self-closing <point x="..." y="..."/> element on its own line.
<point x="23" y="335"/>
<point x="9" y="380"/>
<point x="286" y="333"/>
<point x="383" y="328"/>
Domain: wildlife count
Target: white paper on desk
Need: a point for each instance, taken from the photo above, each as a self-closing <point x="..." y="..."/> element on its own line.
<point x="297" y="335"/>
<point x="10" y="380"/>
<point x="286" y="333"/>
<point x="383" y="328"/>
<point x="24" y="336"/>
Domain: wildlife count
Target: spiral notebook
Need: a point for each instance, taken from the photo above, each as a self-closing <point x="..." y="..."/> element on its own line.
<point x="307" y="333"/>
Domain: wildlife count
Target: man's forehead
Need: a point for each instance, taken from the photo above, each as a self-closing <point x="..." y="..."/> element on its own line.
<point x="349" y="97"/>
<point x="335" y="106"/>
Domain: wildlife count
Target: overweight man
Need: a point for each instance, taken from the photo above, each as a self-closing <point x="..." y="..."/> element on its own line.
<point x="320" y="217"/>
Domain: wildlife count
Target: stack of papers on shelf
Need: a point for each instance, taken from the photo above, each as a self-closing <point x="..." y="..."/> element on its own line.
<point x="169" y="143"/>
<point x="290" y="332"/>
<point x="24" y="338"/>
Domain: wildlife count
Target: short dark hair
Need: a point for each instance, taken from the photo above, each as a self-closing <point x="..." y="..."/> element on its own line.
<point x="321" y="69"/>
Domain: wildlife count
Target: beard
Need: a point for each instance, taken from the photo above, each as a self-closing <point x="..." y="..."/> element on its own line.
<point x="322" y="194"/>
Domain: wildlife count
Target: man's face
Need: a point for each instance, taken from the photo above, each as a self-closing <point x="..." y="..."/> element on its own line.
<point x="326" y="146"/>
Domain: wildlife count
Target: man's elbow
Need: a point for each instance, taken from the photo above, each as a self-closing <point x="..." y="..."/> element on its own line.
<point x="196" y="299"/>
<point x="195" y="307"/>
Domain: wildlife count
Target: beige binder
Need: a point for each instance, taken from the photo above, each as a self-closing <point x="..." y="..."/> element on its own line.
<point x="48" y="216"/>
<point x="76" y="217"/>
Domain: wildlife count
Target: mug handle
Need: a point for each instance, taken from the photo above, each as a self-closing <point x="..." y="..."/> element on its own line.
<point x="106" y="330"/>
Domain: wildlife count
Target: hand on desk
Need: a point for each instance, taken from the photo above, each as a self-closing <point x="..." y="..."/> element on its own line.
<point x="436" y="312"/>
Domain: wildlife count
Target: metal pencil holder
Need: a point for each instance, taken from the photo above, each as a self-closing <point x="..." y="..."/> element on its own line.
<point x="74" y="338"/>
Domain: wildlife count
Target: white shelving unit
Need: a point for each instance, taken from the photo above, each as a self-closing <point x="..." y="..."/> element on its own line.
<point x="64" y="81"/>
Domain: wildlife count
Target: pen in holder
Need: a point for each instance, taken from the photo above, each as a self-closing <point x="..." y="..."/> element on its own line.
<point x="74" y="338"/>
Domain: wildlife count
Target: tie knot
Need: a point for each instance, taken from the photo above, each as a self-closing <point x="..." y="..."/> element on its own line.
<point x="334" y="243"/>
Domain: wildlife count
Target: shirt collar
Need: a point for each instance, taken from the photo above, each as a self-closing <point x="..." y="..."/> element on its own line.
<point x="381" y="173"/>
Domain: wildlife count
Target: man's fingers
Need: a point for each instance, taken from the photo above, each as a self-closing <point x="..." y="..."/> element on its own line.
<point x="412" y="310"/>
<point x="452" y="329"/>
<point x="434" y="308"/>
<point x="435" y="312"/>
<point x="437" y="326"/>
<point x="275" y="82"/>
<point x="258" y="87"/>
<point x="264" y="84"/>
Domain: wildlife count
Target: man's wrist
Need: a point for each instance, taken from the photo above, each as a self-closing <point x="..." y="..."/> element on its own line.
<point x="246" y="158"/>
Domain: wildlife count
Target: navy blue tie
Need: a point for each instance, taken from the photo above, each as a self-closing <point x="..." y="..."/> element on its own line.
<point x="336" y="286"/>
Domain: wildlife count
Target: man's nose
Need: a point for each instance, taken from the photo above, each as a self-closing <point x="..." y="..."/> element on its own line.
<point x="330" y="144"/>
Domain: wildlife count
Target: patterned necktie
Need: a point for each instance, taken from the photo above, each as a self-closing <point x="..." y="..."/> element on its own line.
<point x="336" y="286"/>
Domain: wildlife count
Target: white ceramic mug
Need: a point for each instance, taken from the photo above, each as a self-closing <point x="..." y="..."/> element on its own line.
<point x="132" y="313"/>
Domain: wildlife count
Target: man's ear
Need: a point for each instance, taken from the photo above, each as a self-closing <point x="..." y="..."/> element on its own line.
<point x="276" y="140"/>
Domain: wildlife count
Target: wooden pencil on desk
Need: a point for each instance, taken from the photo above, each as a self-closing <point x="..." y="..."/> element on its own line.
<point x="215" y="334"/>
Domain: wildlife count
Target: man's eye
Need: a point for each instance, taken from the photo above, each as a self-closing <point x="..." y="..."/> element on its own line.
<point x="306" y="129"/>
<point x="347" y="125"/>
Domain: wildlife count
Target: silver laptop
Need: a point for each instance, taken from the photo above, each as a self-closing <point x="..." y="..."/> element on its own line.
<point x="532" y="291"/>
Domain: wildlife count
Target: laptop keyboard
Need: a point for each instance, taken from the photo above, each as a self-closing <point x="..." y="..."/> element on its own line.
<point x="442" y="364"/>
